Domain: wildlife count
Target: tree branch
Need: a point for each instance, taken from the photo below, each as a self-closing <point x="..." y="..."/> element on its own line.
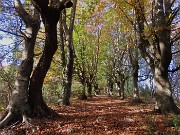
<point x="176" y="52"/>
<point x="22" y="12"/>
<point x="175" y="69"/>
<point x="12" y="33"/>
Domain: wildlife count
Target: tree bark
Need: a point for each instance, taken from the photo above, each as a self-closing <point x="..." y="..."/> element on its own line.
<point x="135" y="69"/>
<point x="165" y="102"/>
<point x="136" y="97"/>
<point x="83" y="94"/>
<point x="83" y="81"/>
<point x="110" y="85"/>
<point x="37" y="104"/>
<point x="50" y="16"/>
<point x="161" y="47"/>
<point x="89" y="89"/>
<point x="69" y="67"/>
<point x="18" y="107"/>
<point x="121" y="84"/>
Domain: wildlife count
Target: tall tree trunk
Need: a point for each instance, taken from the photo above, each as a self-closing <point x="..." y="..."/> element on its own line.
<point x="135" y="81"/>
<point x="135" y="69"/>
<point x="68" y="72"/>
<point x="89" y="89"/>
<point x="165" y="102"/>
<point x="70" y="57"/>
<point x="163" y="95"/>
<point x="37" y="104"/>
<point x="50" y="16"/>
<point x="161" y="50"/>
<point x="122" y="83"/>
<point x="110" y="86"/>
<point x="83" y="94"/>
<point x="18" y="107"/>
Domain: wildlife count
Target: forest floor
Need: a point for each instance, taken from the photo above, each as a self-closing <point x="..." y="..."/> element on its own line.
<point x="100" y="116"/>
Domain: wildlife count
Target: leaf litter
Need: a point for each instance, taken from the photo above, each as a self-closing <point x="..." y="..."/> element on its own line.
<point x="99" y="116"/>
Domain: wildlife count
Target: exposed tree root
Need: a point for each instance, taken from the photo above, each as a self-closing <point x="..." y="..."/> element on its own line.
<point x="165" y="104"/>
<point x="42" y="110"/>
<point x="174" y="110"/>
<point x="6" y="119"/>
<point x="11" y="117"/>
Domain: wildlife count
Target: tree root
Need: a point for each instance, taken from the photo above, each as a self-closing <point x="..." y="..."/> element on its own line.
<point x="42" y="110"/>
<point x="10" y="117"/>
<point x="6" y="119"/>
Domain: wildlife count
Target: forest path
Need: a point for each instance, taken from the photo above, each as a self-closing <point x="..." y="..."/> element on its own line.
<point x="99" y="116"/>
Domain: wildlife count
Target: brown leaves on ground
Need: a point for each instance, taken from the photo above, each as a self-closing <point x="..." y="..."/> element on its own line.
<point x="99" y="116"/>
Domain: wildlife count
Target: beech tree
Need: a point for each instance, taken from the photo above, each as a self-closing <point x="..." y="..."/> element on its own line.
<point x="26" y="100"/>
<point x="50" y="13"/>
<point x="134" y="60"/>
<point x="66" y="36"/>
<point x="156" y="49"/>
<point x="18" y="106"/>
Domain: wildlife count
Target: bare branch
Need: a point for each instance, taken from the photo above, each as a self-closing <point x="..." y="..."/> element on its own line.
<point x="12" y="33"/>
<point x="176" y="52"/>
<point x="175" y="69"/>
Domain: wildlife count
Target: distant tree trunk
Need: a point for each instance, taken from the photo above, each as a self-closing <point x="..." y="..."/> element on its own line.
<point x="89" y="89"/>
<point x="83" y="81"/>
<point x="122" y="83"/>
<point x="135" y="69"/>
<point x="96" y="89"/>
<point x="119" y="87"/>
<point x="133" y="55"/>
<point x="18" y="107"/>
<point x="135" y="80"/>
<point x="80" y="71"/>
<point x="83" y="94"/>
<point x="110" y="85"/>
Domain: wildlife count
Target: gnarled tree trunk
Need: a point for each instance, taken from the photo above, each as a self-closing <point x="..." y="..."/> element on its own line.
<point x="37" y="104"/>
<point x="161" y="50"/>
<point x="18" y="107"/>
<point x="165" y="102"/>
<point x="50" y="15"/>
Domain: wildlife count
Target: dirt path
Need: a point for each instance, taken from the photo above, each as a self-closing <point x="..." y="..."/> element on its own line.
<point x="99" y="116"/>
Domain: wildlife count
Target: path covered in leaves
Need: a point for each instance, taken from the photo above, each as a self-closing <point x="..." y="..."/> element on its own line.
<point x="99" y="116"/>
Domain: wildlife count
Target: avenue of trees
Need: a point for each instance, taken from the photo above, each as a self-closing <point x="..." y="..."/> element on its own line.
<point x="85" y="48"/>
